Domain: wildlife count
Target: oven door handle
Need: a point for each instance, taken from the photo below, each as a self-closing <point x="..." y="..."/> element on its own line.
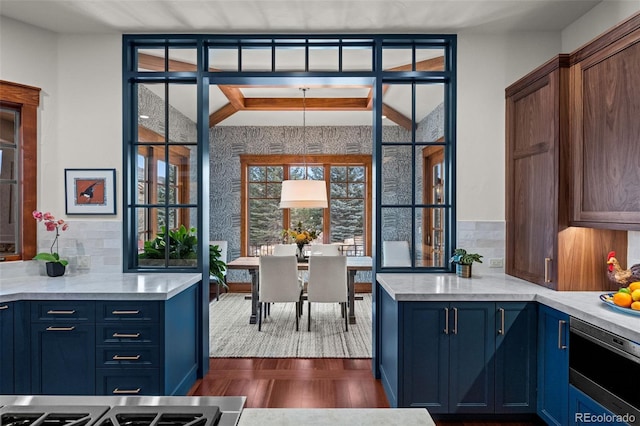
<point x="605" y="345"/>
<point x="560" y="324"/>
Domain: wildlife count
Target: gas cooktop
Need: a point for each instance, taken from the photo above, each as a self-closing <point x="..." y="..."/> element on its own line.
<point x="119" y="411"/>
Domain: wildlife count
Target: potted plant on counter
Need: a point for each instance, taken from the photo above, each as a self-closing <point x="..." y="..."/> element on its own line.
<point x="463" y="261"/>
<point x="55" y="265"/>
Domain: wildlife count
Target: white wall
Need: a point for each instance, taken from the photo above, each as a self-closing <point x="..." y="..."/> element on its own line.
<point x="598" y="20"/>
<point x="487" y="64"/>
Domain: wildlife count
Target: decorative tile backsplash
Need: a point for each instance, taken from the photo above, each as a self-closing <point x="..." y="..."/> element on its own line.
<point x="486" y="238"/>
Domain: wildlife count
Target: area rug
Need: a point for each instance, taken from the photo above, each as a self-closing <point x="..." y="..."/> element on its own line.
<point x="231" y="335"/>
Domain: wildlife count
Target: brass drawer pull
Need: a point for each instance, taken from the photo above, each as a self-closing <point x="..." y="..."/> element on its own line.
<point x="125" y="391"/>
<point x="126" y="336"/>
<point x="446" y="321"/>
<point x="547" y="269"/>
<point x="51" y="312"/>
<point x="126" y="358"/>
<point x="3" y="307"/>
<point x="455" y="320"/>
<point x="60" y="328"/>
<point x="125" y="312"/>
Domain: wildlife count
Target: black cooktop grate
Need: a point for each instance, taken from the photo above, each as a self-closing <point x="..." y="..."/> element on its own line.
<point x="44" y="415"/>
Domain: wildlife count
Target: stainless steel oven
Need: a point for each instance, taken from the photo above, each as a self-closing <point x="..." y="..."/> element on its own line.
<point x="606" y="367"/>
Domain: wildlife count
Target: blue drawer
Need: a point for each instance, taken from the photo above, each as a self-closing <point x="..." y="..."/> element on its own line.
<point x="129" y="333"/>
<point x="64" y="311"/>
<point x="131" y="356"/>
<point x="128" y="311"/>
<point x="128" y="381"/>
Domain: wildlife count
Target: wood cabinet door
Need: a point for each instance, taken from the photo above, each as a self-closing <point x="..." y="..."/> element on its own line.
<point x="606" y="132"/>
<point x="472" y="367"/>
<point x="534" y="112"/>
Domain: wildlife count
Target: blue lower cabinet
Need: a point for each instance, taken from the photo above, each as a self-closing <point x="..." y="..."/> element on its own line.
<point x="63" y="358"/>
<point x="515" y="357"/>
<point x="7" y="379"/>
<point x="128" y="382"/>
<point x="553" y="366"/>
<point x="583" y="410"/>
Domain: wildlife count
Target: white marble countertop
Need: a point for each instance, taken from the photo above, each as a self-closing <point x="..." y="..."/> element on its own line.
<point x="335" y="416"/>
<point x="585" y="305"/>
<point x="96" y="286"/>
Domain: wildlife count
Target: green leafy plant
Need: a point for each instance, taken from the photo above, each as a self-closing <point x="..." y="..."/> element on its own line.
<point x="460" y="256"/>
<point x="53" y="225"/>
<point x="216" y="265"/>
<point x="182" y="244"/>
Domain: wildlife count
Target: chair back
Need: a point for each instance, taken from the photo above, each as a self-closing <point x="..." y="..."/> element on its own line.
<point x="324" y="250"/>
<point x="327" y="279"/>
<point x="278" y="279"/>
<point x="396" y="253"/>
<point x="285" y="250"/>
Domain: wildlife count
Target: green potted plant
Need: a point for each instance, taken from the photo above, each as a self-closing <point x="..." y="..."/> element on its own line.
<point x="182" y="245"/>
<point x="217" y="267"/>
<point x="55" y="266"/>
<point x="463" y="261"/>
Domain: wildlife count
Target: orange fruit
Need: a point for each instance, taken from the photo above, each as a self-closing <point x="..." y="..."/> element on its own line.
<point x="635" y="306"/>
<point x="634" y="286"/>
<point x="622" y="299"/>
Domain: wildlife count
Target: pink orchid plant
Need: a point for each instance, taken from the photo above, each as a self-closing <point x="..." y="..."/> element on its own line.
<point x="52" y="225"/>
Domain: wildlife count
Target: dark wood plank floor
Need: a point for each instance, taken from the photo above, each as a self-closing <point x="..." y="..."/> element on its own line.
<point x="302" y="383"/>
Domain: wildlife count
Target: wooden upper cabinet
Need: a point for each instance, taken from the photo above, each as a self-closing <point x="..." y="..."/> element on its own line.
<point x="605" y="88"/>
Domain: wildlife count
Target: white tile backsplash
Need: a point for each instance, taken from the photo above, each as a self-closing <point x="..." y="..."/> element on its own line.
<point x="486" y="238"/>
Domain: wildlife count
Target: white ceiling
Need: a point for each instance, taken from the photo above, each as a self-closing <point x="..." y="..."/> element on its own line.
<point x="298" y="16"/>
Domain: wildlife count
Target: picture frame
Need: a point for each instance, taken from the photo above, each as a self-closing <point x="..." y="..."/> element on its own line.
<point x="90" y="191"/>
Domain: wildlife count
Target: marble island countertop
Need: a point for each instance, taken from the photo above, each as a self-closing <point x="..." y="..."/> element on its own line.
<point x="335" y="416"/>
<point x="97" y="286"/>
<point x="585" y="305"/>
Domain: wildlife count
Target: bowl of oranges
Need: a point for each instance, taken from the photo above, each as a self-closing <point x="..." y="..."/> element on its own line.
<point x="626" y="300"/>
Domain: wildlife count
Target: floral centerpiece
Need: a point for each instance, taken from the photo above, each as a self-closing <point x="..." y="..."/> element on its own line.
<point x="300" y="236"/>
<point x="55" y="265"/>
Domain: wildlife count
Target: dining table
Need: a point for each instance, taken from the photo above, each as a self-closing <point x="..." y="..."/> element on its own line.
<point x="252" y="264"/>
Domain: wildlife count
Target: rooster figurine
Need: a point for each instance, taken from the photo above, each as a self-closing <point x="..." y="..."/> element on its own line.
<point x="619" y="275"/>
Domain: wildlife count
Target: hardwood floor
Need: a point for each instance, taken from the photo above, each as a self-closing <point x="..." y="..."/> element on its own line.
<point x="303" y="383"/>
<point x="294" y="383"/>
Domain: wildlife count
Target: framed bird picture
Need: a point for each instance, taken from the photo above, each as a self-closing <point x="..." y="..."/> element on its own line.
<point x="90" y="191"/>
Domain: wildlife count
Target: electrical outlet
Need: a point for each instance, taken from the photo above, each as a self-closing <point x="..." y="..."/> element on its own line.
<point x="496" y="262"/>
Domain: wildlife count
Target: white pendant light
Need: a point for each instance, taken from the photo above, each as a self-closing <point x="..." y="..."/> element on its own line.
<point x="305" y="193"/>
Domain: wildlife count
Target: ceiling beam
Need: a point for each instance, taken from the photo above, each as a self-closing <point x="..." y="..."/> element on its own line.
<point x="433" y="64"/>
<point x="397" y="117"/>
<point x="222" y="114"/>
<point x="310" y="104"/>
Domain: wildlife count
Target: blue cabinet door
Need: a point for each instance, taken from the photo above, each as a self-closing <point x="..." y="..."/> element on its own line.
<point x="516" y="327"/>
<point x="553" y="366"/>
<point x="585" y="411"/>
<point x="471" y="347"/>
<point x="6" y="349"/>
<point x="63" y="358"/>
<point x="425" y="355"/>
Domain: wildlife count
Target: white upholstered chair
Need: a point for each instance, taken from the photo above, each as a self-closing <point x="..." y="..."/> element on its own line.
<point x="328" y="284"/>
<point x="396" y="253"/>
<point x="279" y="282"/>
<point x="285" y="250"/>
<point x="222" y="245"/>
<point x="324" y="250"/>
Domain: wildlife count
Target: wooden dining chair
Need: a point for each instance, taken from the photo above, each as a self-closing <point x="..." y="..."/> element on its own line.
<point x="279" y="282"/>
<point x="328" y="284"/>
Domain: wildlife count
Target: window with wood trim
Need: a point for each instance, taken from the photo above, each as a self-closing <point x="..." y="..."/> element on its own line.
<point x="18" y="171"/>
<point x="347" y="221"/>
<point x="160" y="183"/>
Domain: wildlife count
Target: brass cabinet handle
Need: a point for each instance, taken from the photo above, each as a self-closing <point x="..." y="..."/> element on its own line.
<point x="501" y="329"/>
<point x="126" y="358"/>
<point x="60" y="328"/>
<point x="126" y="336"/>
<point x="52" y="312"/>
<point x="560" y="324"/>
<point x="446" y="320"/>
<point x="3" y="307"/>
<point x="547" y="268"/>
<point x="125" y="391"/>
<point x="455" y="320"/>
<point x="125" y="312"/>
